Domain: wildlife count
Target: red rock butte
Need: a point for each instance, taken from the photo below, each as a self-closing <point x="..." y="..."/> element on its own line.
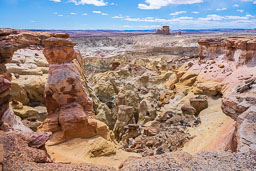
<point x="163" y="30"/>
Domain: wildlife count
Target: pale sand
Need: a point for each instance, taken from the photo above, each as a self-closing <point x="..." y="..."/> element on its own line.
<point x="215" y="131"/>
<point x="76" y="151"/>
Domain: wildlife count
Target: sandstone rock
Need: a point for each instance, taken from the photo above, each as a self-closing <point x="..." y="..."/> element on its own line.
<point x="70" y="108"/>
<point x="51" y="124"/>
<point x="104" y="114"/>
<point x="18" y="93"/>
<point x="132" y="131"/>
<point x="61" y="35"/>
<point x="114" y="65"/>
<point x="75" y="123"/>
<point x="221" y="65"/>
<point x="164" y="30"/>
<point x="25" y="112"/>
<point x="4" y="94"/>
<point x="31" y="117"/>
<point x="147" y="112"/>
<point x="210" y="88"/>
<point x="233" y="106"/>
<point x="199" y="103"/>
<point x="101" y="147"/>
<point x="124" y="117"/>
<point x="58" y="50"/>
<point x="188" y="110"/>
<point x="16" y="104"/>
<point x="63" y="87"/>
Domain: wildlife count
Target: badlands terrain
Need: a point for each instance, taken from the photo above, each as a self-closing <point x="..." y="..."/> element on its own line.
<point x="122" y="101"/>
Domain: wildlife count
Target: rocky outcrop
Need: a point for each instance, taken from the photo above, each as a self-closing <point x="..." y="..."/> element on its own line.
<point x="164" y="30"/>
<point x="70" y="108"/>
<point x="238" y="86"/>
<point x="240" y="50"/>
<point x="10" y="41"/>
<point x="124" y="117"/>
<point x="241" y="107"/>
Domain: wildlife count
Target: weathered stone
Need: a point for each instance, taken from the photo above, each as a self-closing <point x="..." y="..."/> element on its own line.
<point x="124" y="117"/>
<point x="101" y="147"/>
<point x="25" y="112"/>
<point x="199" y="103"/>
<point x="59" y="51"/>
<point x="188" y="110"/>
<point x="164" y="30"/>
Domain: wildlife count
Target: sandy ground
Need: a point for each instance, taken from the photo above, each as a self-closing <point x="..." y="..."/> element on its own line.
<point x="76" y="151"/>
<point x="215" y="131"/>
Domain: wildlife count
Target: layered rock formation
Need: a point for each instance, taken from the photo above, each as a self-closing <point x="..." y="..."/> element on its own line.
<point x="164" y="30"/>
<point x="10" y="41"/>
<point x="240" y="50"/>
<point x="70" y="108"/>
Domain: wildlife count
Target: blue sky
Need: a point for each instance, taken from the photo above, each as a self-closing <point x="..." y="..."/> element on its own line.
<point x="127" y="14"/>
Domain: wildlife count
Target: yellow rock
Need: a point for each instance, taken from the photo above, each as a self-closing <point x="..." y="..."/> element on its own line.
<point x="162" y="96"/>
<point x="25" y="112"/>
<point x="101" y="147"/>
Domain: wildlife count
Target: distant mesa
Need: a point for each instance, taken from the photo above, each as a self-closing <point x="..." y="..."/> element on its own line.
<point x="163" y="30"/>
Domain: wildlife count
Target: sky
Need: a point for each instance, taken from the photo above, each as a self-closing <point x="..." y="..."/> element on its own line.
<point x="127" y="14"/>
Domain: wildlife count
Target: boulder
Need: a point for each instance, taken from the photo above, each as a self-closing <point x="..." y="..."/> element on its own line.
<point x="25" y="112"/>
<point x="188" y="110"/>
<point x="101" y="147"/>
<point x="199" y="103"/>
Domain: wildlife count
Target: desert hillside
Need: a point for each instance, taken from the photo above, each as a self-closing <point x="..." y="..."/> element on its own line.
<point x="140" y="101"/>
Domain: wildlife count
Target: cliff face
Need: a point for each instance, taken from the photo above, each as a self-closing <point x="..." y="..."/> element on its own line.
<point x="228" y="66"/>
<point x="240" y="50"/>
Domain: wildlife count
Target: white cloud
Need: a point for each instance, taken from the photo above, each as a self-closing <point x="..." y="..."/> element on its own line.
<point x="157" y="4"/>
<point x="195" y="12"/>
<point x="55" y="0"/>
<point x="60" y="15"/>
<point x="215" y="17"/>
<point x="118" y="17"/>
<point x="254" y="2"/>
<point x="157" y="20"/>
<point x="212" y="17"/>
<point x="250" y="16"/>
<point x="210" y="21"/>
<point x="73" y="13"/>
<point x="221" y="9"/>
<point x="84" y="14"/>
<point x="99" y="12"/>
<point x="236" y="5"/>
<point x="147" y="27"/>
<point x="240" y="10"/>
<point x="90" y="2"/>
<point x="178" y="13"/>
